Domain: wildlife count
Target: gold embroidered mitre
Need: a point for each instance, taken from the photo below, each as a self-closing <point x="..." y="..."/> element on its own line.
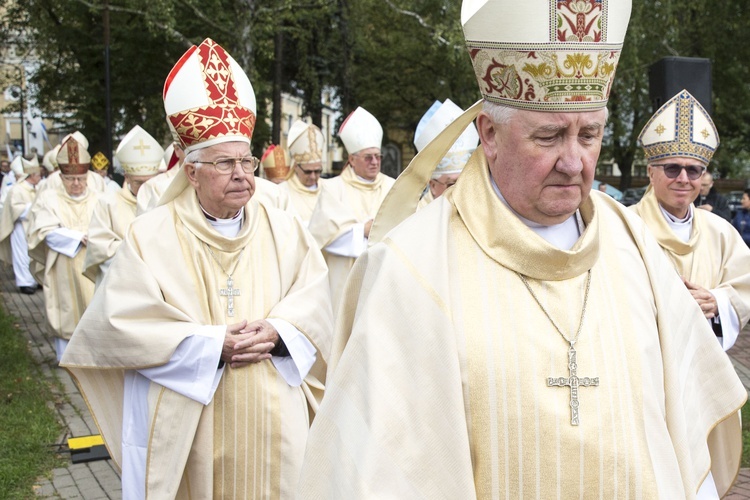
<point x="276" y="162"/>
<point x="434" y="121"/>
<point x="546" y="55"/>
<point x="99" y="161"/>
<point x="681" y="127"/>
<point x="305" y="143"/>
<point x="139" y="153"/>
<point x="208" y="98"/>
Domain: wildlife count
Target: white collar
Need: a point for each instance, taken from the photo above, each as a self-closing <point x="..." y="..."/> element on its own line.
<point x="683" y="228"/>
<point x="562" y="236"/>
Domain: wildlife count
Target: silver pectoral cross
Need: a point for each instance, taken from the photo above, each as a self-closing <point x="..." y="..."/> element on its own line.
<point x="573" y="382"/>
<point x="230" y="292"/>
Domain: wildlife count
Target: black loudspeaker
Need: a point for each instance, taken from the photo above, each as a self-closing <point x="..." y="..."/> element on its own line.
<point x="670" y="75"/>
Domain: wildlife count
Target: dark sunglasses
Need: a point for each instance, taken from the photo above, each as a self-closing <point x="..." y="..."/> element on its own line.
<point x="673" y="170"/>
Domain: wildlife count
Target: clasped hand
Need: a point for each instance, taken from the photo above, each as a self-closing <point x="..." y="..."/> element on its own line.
<point x="246" y="343"/>
<point x="704" y="298"/>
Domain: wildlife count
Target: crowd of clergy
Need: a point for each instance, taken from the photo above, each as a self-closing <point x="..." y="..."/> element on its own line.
<point x="244" y="328"/>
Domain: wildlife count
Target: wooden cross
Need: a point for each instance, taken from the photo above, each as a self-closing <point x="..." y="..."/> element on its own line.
<point x="141" y="147"/>
<point x="230" y="292"/>
<point x="573" y="382"/>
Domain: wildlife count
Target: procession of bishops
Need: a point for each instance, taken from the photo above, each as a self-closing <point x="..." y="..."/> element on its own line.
<point x="484" y="326"/>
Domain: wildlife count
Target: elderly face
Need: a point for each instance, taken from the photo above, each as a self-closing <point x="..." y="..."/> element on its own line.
<point x="4" y="167"/>
<point x="136" y="181"/>
<point x="366" y="163"/>
<point x="34" y="178"/>
<point x="675" y="194"/>
<point x="75" y="185"/>
<point x="309" y="173"/>
<point x="439" y="185"/>
<point x="707" y="182"/>
<point x="543" y="163"/>
<point x="221" y="194"/>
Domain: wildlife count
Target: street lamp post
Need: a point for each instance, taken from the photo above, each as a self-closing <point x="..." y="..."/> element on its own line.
<point x="17" y="92"/>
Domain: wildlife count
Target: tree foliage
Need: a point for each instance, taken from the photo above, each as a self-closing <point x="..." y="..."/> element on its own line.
<point x="393" y="57"/>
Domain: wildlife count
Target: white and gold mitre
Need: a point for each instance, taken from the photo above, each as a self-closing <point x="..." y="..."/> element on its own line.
<point x="305" y="143"/>
<point x="681" y="127"/>
<point x="546" y="55"/>
<point x="139" y="153"/>
<point x="434" y="121"/>
<point x="21" y="166"/>
<point x="208" y="98"/>
<point x="50" y="159"/>
<point x="361" y="130"/>
<point x="276" y="162"/>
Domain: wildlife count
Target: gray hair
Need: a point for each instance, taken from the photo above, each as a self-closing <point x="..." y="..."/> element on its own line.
<point x="502" y="114"/>
<point x="194" y="155"/>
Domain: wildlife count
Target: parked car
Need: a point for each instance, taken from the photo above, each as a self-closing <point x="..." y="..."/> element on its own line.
<point x="611" y="190"/>
<point x="734" y="199"/>
<point x="631" y="196"/>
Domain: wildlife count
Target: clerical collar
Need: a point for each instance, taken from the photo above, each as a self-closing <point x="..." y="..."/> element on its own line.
<point x="311" y="188"/>
<point x="79" y="197"/>
<point x="562" y="236"/>
<point x="681" y="227"/>
<point x="368" y="181"/>
<point x="226" y="227"/>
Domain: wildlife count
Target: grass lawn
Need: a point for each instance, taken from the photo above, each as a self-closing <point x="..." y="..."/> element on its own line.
<point x="27" y="424"/>
<point x="746" y="435"/>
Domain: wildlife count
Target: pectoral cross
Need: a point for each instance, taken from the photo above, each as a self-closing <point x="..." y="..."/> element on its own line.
<point x="230" y="292"/>
<point x="573" y="382"/>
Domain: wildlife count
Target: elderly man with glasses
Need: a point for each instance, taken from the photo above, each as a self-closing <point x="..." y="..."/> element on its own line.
<point x="705" y="250"/>
<point x="202" y="355"/>
<point x="347" y="204"/>
<point x="306" y="148"/>
<point x="58" y="234"/>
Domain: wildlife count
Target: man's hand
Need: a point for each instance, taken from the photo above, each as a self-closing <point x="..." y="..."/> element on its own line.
<point x="244" y="345"/>
<point x="704" y="298"/>
<point x="258" y="340"/>
<point x="368" y="226"/>
<point x="706" y="207"/>
<point x="85" y="240"/>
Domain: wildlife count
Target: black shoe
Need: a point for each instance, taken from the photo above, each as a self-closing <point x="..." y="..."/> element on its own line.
<point x="28" y="290"/>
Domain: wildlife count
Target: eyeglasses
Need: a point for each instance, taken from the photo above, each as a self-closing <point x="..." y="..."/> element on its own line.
<point x="673" y="170"/>
<point x="249" y="164"/>
<point x="310" y="172"/>
<point x="446" y="184"/>
<point x="73" y="178"/>
<point x="370" y="158"/>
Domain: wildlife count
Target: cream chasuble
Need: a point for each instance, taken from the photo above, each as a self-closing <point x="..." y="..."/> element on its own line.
<point x="15" y="205"/>
<point x="112" y="215"/>
<point x="151" y="190"/>
<point x="441" y="390"/>
<point x="344" y="201"/>
<point x="248" y="442"/>
<point x="66" y="291"/>
<point x="302" y="198"/>
<point x="715" y="257"/>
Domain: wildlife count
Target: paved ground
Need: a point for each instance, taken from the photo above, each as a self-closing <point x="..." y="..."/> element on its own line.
<point x="99" y="480"/>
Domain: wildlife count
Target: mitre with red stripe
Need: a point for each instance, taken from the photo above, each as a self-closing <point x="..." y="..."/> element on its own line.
<point x="208" y="98"/>
<point x="276" y="162"/>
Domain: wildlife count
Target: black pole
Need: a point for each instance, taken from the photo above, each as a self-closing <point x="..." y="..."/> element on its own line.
<point x="107" y="93"/>
<point x="21" y="112"/>
<point x="278" y="43"/>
